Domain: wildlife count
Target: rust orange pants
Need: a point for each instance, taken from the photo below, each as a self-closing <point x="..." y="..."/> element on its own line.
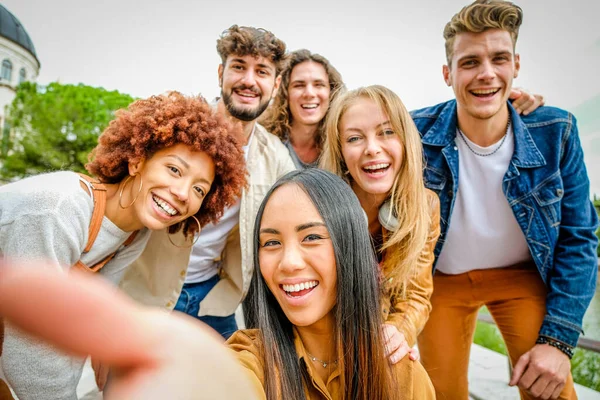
<point x="516" y="298"/>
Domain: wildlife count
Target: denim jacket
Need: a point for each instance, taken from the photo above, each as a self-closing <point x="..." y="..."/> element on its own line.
<point x="547" y="187"/>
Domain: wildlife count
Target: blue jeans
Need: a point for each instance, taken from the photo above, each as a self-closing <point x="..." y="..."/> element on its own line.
<point x="189" y="302"/>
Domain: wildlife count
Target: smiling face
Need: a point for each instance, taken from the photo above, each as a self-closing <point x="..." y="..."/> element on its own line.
<point x="247" y="85"/>
<point x="371" y="149"/>
<point x="296" y="257"/>
<point x="308" y="93"/>
<point x="482" y="72"/>
<point x="175" y="182"/>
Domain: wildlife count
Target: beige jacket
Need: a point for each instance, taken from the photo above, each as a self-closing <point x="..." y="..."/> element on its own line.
<point x="156" y="278"/>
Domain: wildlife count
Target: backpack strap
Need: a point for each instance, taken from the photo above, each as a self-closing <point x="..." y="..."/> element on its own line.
<point x="98" y="194"/>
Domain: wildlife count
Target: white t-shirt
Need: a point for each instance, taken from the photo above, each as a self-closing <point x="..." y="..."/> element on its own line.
<point x="483" y="231"/>
<point x="212" y="240"/>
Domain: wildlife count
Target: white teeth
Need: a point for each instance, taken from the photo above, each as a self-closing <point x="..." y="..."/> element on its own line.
<point x="310" y="106"/>
<point x="377" y="166"/>
<point x="164" y="205"/>
<point x="300" y="286"/>
<point x="488" y="91"/>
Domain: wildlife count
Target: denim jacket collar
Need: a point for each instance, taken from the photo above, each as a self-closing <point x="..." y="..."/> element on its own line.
<point x="443" y="133"/>
<point x="526" y="154"/>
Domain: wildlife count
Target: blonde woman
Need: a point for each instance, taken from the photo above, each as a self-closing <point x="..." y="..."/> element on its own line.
<point x="372" y="142"/>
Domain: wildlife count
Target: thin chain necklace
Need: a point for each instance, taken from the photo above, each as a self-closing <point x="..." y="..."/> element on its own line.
<point x="323" y="363"/>
<point x="462" y="136"/>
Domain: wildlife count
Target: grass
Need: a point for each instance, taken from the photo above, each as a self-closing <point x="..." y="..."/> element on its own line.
<point x="585" y="365"/>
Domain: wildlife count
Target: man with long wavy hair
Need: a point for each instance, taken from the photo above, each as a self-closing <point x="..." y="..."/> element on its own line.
<point x="517" y="225"/>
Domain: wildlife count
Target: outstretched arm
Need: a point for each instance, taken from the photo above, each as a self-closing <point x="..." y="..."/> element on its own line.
<point x="154" y="355"/>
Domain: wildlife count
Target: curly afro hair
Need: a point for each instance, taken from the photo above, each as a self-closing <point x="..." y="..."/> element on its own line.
<point x="163" y="121"/>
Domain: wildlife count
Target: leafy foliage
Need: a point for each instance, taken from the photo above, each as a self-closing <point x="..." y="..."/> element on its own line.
<point x="55" y="127"/>
<point x="585" y="365"/>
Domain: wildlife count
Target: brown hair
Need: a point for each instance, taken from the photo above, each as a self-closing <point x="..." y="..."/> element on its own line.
<point x="246" y="40"/>
<point x="277" y="120"/>
<point x="480" y="16"/>
<point x="159" y="122"/>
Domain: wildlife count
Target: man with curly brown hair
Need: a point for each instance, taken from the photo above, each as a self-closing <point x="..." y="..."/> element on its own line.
<point x="220" y="266"/>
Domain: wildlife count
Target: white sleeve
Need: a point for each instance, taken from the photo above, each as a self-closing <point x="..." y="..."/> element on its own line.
<point x="34" y="370"/>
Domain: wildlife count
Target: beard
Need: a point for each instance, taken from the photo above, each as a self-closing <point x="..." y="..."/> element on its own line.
<point x="243" y="114"/>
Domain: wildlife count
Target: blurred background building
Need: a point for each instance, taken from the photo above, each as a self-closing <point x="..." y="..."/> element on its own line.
<point x="18" y="61"/>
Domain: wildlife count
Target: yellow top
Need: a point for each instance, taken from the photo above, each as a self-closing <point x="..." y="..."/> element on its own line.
<point x="413" y="381"/>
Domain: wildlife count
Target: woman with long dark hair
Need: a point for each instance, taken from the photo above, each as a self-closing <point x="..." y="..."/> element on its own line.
<point x="314" y="299"/>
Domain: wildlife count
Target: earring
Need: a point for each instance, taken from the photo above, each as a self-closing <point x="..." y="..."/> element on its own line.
<point x="123" y="187"/>
<point x="194" y="242"/>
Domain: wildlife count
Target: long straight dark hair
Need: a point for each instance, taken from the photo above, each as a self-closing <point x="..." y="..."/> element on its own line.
<point x="367" y="374"/>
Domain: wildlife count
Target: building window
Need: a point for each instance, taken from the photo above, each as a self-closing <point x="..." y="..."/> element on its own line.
<point x="22" y="75"/>
<point x="6" y="70"/>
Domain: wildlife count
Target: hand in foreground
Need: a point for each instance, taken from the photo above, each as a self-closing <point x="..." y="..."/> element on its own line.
<point x="542" y="371"/>
<point x="152" y="354"/>
<point x="100" y="373"/>
<point x="396" y="346"/>
<point x="524" y="102"/>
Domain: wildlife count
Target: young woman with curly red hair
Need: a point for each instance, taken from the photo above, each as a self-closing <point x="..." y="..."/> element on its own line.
<point x="165" y="162"/>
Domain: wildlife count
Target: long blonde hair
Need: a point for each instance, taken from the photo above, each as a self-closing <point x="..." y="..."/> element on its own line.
<point x="408" y="194"/>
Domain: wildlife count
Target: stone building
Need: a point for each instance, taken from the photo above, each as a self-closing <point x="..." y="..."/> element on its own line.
<point x="18" y="61"/>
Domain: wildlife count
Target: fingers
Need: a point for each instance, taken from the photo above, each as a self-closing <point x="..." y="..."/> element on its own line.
<point x="396" y="346"/>
<point x="413" y="354"/>
<point x="540" y="386"/>
<point x="393" y="339"/>
<point x="531" y="105"/>
<point x="529" y="378"/>
<point x="540" y="99"/>
<point x="557" y="391"/>
<point x="79" y="314"/>
<point x="525" y="103"/>
<point x="548" y="393"/>
<point x="519" y="369"/>
<point x="515" y="93"/>
<point x="546" y="372"/>
<point x="402" y="351"/>
<point x="101" y="371"/>
<point x="399" y="354"/>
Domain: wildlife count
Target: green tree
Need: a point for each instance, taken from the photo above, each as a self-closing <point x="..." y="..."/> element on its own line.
<point x="54" y="127"/>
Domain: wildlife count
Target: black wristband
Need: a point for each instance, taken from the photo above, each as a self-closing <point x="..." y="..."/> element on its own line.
<point x="567" y="350"/>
